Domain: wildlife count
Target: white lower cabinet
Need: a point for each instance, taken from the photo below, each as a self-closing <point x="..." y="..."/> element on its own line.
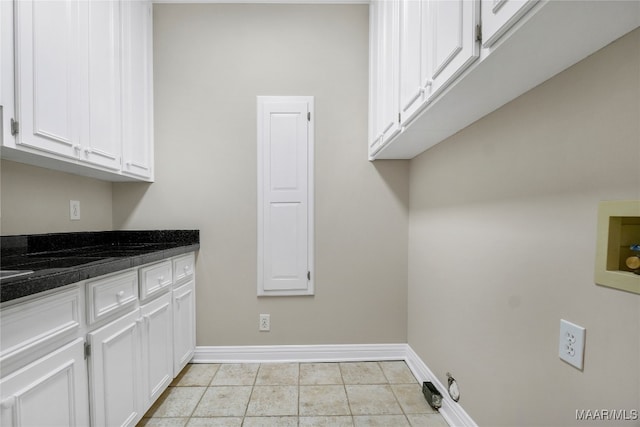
<point x="61" y="368"/>
<point x="157" y="347"/>
<point x="184" y="325"/>
<point x="52" y="391"/>
<point x="115" y="371"/>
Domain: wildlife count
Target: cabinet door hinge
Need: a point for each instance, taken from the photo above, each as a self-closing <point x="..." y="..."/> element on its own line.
<point x="308" y="275"/>
<point x="15" y="127"/>
<point x="308" y="116"/>
<point x="479" y="33"/>
<point x="87" y="350"/>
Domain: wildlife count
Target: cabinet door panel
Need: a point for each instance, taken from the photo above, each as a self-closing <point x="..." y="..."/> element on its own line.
<point x="184" y="326"/>
<point x="115" y="370"/>
<point x="375" y="75"/>
<point x="412" y="52"/>
<point x="100" y="52"/>
<point x="453" y="46"/>
<point x="157" y="347"/>
<point x="285" y="141"/>
<point x="47" y="75"/>
<point x="389" y="70"/>
<point x="499" y="15"/>
<point x="52" y="391"/>
<point x="137" y="87"/>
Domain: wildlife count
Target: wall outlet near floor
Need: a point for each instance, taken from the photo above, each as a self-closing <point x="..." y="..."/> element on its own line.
<point x="571" y="345"/>
<point x="265" y="323"/>
<point x="74" y="210"/>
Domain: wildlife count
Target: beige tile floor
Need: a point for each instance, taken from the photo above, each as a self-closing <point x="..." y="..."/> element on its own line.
<point x="294" y="394"/>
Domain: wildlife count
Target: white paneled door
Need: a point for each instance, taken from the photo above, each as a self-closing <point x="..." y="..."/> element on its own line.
<point x="52" y="391"/>
<point x="137" y="89"/>
<point x="414" y="78"/>
<point x="100" y="135"/>
<point x="285" y="226"/>
<point x="47" y="87"/>
<point x="157" y="347"/>
<point x="115" y="372"/>
<point x="184" y="325"/>
<point x="453" y="45"/>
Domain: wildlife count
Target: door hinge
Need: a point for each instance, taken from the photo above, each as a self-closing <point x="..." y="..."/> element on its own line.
<point x="87" y="350"/>
<point x="308" y="116"/>
<point x="479" y="33"/>
<point x="15" y="127"/>
<point x="308" y="275"/>
<point x="399" y="118"/>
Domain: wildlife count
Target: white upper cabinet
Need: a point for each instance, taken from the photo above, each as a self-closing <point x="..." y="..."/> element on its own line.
<point x="414" y="78"/>
<point x="100" y="138"/>
<point x="83" y="87"/>
<point x="389" y="73"/>
<point x="47" y="73"/>
<point x="137" y="89"/>
<point x="385" y="54"/>
<point x="418" y="48"/>
<point x="452" y="44"/>
<point x="374" y="76"/>
<point x="68" y="79"/>
<point x="437" y="43"/>
<point x="499" y="15"/>
<point x="436" y="66"/>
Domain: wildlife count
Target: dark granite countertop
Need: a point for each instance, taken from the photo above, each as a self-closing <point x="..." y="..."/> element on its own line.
<point x="60" y="259"/>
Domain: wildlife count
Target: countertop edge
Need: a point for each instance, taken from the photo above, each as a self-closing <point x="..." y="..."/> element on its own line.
<point x="25" y="286"/>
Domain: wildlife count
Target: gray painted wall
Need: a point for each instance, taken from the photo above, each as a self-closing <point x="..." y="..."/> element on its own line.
<point x="210" y="63"/>
<point x="36" y="200"/>
<point x="502" y="242"/>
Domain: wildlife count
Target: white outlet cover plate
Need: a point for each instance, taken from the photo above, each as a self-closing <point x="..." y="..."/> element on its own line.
<point x="74" y="210"/>
<point x="265" y="323"/>
<point x="571" y="343"/>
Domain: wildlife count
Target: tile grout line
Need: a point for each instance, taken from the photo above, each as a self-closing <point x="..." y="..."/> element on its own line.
<point x="298" y="420"/>
<point x="394" y="394"/>
<point x="389" y="384"/>
<point x="253" y="387"/>
<point x="201" y="397"/>
<point x="344" y="386"/>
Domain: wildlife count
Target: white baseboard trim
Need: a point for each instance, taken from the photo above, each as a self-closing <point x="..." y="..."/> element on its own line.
<point x="452" y="412"/>
<point x="300" y="353"/>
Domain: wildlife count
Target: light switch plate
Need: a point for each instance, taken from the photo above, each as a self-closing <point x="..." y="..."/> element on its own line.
<point x="571" y="344"/>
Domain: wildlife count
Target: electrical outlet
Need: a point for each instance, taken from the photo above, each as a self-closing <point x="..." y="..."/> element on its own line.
<point x="571" y="346"/>
<point x="74" y="210"/>
<point x="265" y="323"/>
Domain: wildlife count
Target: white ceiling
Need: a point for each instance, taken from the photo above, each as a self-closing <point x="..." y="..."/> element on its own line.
<point x="268" y="1"/>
